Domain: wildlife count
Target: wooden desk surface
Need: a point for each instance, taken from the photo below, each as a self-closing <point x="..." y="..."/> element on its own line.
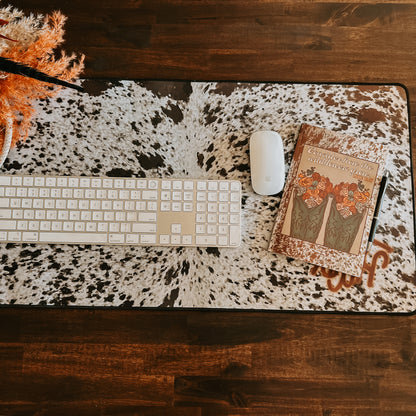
<point x="121" y="362"/>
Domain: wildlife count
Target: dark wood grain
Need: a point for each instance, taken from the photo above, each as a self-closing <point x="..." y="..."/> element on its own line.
<point x="206" y="363"/>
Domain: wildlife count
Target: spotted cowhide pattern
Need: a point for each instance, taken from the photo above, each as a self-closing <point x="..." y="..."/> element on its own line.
<point x="201" y="130"/>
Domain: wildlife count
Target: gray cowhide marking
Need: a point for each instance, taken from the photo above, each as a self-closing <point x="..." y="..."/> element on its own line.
<point x="201" y="130"/>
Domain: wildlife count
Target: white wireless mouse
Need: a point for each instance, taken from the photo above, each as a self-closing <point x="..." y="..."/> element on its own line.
<point x="267" y="162"/>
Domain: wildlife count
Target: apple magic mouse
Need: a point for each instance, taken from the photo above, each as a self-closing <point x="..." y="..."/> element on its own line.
<point x="267" y="162"/>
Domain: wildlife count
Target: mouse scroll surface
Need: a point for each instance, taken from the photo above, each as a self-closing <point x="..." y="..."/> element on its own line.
<point x="267" y="162"/>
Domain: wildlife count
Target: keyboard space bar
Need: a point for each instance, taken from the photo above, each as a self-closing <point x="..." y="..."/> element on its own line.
<point x="61" y="237"/>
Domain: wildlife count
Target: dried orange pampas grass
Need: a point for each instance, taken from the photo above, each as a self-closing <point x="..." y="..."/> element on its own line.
<point x="35" y="37"/>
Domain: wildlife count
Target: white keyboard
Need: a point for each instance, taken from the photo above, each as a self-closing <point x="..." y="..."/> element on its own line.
<point x="98" y="210"/>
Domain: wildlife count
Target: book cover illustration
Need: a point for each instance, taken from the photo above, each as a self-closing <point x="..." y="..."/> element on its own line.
<point x="328" y="201"/>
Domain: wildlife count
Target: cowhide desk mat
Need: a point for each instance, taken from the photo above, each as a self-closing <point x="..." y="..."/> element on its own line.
<point x="201" y="130"/>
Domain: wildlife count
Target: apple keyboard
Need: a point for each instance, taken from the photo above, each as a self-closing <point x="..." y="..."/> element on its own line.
<point x="129" y="211"/>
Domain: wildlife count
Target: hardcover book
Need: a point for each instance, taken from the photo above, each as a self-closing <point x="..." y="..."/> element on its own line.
<point x="329" y="199"/>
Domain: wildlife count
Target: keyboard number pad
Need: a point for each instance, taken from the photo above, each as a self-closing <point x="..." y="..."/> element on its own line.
<point x="218" y="213"/>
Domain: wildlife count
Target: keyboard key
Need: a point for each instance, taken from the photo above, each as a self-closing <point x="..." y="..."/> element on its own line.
<point x="5" y="213"/>
<point x="89" y="226"/>
<point x="141" y="184"/>
<point x="234" y="235"/>
<point x="187" y="239"/>
<point x="235" y="197"/>
<point x="164" y="239"/>
<point x="46" y="226"/>
<point x="200" y="228"/>
<point x="177" y="184"/>
<point x="211" y="229"/>
<point x="165" y="206"/>
<point x="206" y="239"/>
<point x="50" y="214"/>
<point x="212" y="186"/>
<point x="101" y="226"/>
<point x="141" y="206"/>
<point x="21" y="192"/>
<point x="151" y="206"/>
<point x="223" y="197"/>
<point x="107" y="183"/>
<point x="201" y="196"/>
<point x="30" y="236"/>
<point x="33" y="225"/>
<point x="7" y="225"/>
<point x="4" y="202"/>
<point x="27" y="181"/>
<point x="22" y="225"/>
<point x="27" y="203"/>
<point x="201" y="186"/>
<point x="67" y="226"/>
<point x="165" y="196"/>
<point x="223" y="229"/>
<point x="5" y="180"/>
<point x="212" y="217"/>
<point x="234" y="208"/>
<point x="234" y="219"/>
<point x="73" y="182"/>
<point x="201" y="206"/>
<point x="38" y="203"/>
<point x="10" y="192"/>
<point x="166" y="184"/>
<point x="148" y="239"/>
<point x="212" y="196"/>
<point x="176" y="196"/>
<point x="235" y="186"/>
<point x="57" y="226"/>
<point x="176" y="206"/>
<point x="39" y="181"/>
<point x="132" y="216"/>
<point x="130" y="183"/>
<point x="132" y="238"/>
<point x="96" y="183"/>
<point x="79" y="226"/>
<point x="80" y="238"/>
<point x="188" y="196"/>
<point x="223" y="240"/>
<point x="116" y="238"/>
<point x="147" y="216"/>
<point x="224" y="186"/>
<point x="85" y="182"/>
<point x="176" y="228"/>
<point x="201" y="217"/>
<point x="153" y="184"/>
<point x="149" y="195"/>
<point x="62" y="182"/>
<point x="188" y="185"/>
<point x="15" y="235"/>
<point x="17" y="213"/>
<point x="50" y="181"/>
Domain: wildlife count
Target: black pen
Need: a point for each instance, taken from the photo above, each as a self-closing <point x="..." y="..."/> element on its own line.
<point x="379" y="203"/>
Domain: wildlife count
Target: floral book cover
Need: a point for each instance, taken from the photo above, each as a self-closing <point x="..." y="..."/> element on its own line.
<point x="329" y="199"/>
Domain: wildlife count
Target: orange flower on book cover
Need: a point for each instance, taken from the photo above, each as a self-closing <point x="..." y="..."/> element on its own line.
<point x="351" y="198"/>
